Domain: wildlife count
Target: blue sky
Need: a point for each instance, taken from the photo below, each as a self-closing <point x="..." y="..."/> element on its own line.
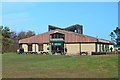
<point x="98" y="18"/>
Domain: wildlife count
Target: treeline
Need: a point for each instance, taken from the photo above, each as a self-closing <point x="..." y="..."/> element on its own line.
<point x="9" y="39"/>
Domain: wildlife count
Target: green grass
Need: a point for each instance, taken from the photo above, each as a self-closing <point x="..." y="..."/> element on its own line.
<point x="54" y="66"/>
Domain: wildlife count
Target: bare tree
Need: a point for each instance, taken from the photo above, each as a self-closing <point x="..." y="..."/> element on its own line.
<point x="30" y="33"/>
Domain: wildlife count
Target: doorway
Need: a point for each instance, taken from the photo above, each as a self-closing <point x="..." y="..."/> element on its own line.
<point x="57" y="47"/>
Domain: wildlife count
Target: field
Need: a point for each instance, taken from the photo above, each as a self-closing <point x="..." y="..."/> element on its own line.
<point x="59" y="66"/>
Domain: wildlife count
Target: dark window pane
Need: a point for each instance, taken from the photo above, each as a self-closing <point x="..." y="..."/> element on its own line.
<point x="29" y="47"/>
<point x="57" y="36"/>
<point x="40" y="47"/>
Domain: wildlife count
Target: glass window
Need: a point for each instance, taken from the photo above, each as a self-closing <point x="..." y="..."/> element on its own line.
<point x="29" y="47"/>
<point x="40" y="47"/>
<point x="57" y="36"/>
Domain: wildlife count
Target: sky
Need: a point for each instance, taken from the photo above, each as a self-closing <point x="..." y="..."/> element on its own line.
<point x="98" y="18"/>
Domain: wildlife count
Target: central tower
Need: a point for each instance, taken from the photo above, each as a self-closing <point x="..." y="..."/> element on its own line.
<point x="74" y="28"/>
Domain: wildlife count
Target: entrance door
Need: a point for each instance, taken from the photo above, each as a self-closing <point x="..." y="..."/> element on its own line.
<point x="57" y="42"/>
<point x="57" y="47"/>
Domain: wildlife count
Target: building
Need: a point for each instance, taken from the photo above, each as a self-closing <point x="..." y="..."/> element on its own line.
<point x="70" y="40"/>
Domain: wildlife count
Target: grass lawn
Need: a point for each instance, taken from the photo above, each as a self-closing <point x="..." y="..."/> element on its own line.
<point x="59" y="66"/>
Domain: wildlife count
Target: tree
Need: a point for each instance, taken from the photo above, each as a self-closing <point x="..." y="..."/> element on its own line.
<point x="6" y="34"/>
<point x="6" y="40"/>
<point x="30" y="33"/>
<point x="21" y="35"/>
<point x="9" y="39"/>
<point x="24" y="34"/>
<point x="115" y="35"/>
<point x="1" y="33"/>
<point x="117" y="32"/>
<point x="14" y="37"/>
<point x="112" y="35"/>
<point x="1" y="38"/>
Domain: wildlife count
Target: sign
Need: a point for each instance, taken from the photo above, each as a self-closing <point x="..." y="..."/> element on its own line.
<point x="57" y="44"/>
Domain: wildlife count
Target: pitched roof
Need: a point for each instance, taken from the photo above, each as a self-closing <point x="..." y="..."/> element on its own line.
<point x="70" y="37"/>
